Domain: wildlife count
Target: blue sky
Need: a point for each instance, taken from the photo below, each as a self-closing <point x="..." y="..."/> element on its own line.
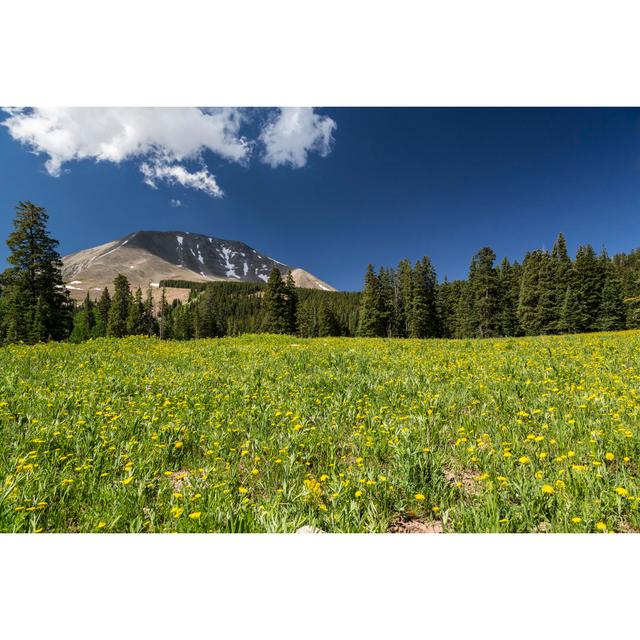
<point x="352" y="186"/>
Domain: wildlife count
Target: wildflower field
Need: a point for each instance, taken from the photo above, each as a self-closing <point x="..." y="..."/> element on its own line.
<point x="271" y="433"/>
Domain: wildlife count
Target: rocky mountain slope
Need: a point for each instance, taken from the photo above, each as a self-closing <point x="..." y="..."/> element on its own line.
<point x="147" y="257"/>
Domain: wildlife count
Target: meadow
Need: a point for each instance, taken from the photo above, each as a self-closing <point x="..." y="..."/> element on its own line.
<point x="271" y="433"/>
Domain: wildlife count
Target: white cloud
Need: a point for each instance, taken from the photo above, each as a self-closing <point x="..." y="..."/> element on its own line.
<point x="169" y="136"/>
<point x="177" y="174"/>
<point x="165" y="140"/>
<point x="176" y="202"/>
<point x="294" y="133"/>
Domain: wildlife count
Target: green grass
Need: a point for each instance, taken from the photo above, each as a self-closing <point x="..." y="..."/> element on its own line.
<point x="269" y="433"/>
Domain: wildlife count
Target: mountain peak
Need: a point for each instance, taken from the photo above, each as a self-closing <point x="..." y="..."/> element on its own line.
<point x="147" y="257"/>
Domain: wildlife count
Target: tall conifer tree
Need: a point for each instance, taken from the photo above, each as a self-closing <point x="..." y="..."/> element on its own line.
<point x="611" y="316"/>
<point x="423" y="321"/>
<point x="588" y="283"/>
<point x="119" y="309"/>
<point x="38" y="306"/>
<point x="484" y="291"/>
<point x="560" y="272"/>
<point x="530" y="292"/>
<point x="276" y="318"/>
<point x="135" y="318"/>
<point x="547" y="312"/>
<point x="371" y="321"/>
<point x="291" y="295"/>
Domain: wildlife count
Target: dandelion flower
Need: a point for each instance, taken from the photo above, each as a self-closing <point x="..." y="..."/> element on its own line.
<point x="419" y="496"/>
<point x="548" y="489"/>
<point x="621" y="491"/>
<point x="601" y="526"/>
<point x="523" y="460"/>
<point x="357" y="494"/>
<point x="576" y="520"/>
<point x="609" y="456"/>
<point x="195" y="515"/>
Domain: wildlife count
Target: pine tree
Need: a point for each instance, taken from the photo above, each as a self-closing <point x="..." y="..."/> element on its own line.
<point x="148" y="317"/>
<point x="485" y="294"/>
<point x="102" y="307"/>
<point x="589" y="278"/>
<point x="611" y="316"/>
<point x="465" y="325"/>
<point x="386" y="301"/>
<point x="135" y="317"/>
<point x="38" y="326"/>
<point x="162" y="315"/>
<point x="571" y="319"/>
<point x="561" y="266"/>
<point x="371" y="321"/>
<point x="306" y="320"/>
<point x="423" y="322"/>
<point x="402" y="298"/>
<point x="328" y="324"/>
<point x="209" y="326"/>
<point x="117" y="323"/>
<point x="195" y="319"/>
<point x="547" y="312"/>
<point x="89" y="306"/>
<point x="84" y="321"/>
<point x="529" y="298"/>
<point x="291" y="295"/>
<point x="38" y="305"/>
<point x="447" y="300"/>
<point x="182" y="325"/>
<point x="509" y="292"/>
<point x="276" y="318"/>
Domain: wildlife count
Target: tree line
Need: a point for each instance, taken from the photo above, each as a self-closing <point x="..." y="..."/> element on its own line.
<point x="549" y="292"/>
<point x="218" y="309"/>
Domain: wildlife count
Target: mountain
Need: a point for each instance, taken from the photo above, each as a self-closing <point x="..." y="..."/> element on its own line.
<point x="147" y="257"/>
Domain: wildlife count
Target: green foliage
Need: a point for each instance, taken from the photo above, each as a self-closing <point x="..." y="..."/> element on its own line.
<point x="588" y="281"/>
<point x="548" y="309"/>
<point x="612" y="313"/>
<point x="119" y="311"/>
<point x="37" y="306"/>
<point x="328" y="324"/>
<point x="509" y="276"/>
<point x="422" y="313"/>
<point x="291" y="296"/>
<point x="485" y="293"/>
<point x="529" y="298"/>
<point x="277" y="316"/>
<point x="84" y="321"/>
<point x="372" y="322"/>
<point x="136" y="325"/>
<point x="570" y="317"/>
